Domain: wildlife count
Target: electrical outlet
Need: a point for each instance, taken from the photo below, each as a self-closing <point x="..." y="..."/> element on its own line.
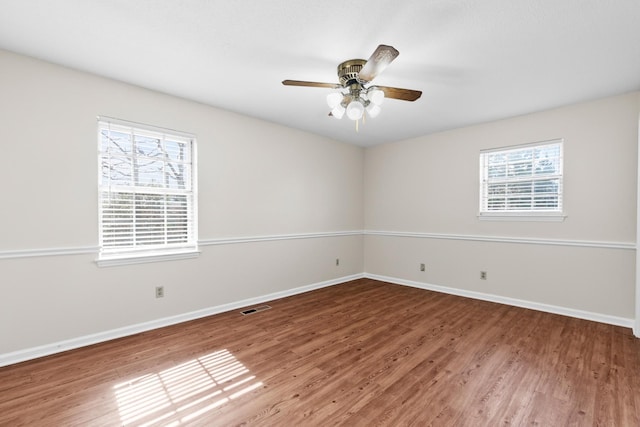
<point x="422" y="267"/>
<point x="337" y="262"/>
<point x="159" y="291"/>
<point x="483" y="275"/>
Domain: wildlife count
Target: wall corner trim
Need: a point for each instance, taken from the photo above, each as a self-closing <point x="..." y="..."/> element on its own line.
<point x="636" y="326"/>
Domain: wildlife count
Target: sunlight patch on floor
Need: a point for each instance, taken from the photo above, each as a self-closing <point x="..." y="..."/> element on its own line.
<point x="182" y="393"/>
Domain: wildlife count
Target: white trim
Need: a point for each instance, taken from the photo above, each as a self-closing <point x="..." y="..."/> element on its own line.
<point x="145" y="126"/>
<point x="270" y="238"/>
<point x="205" y="242"/>
<point x="58" y="347"/>
<point x="524" y="145"/>
<point x="505" y="216"/>
<point x="28" y="253"/>
<point x="53" y="348"/>
<point x="275" y="237"/>
<point x="143" y="259"/>
<point x="522" y="240"/>
<point x="636" y="326"/>
<point x="565" y="311"/>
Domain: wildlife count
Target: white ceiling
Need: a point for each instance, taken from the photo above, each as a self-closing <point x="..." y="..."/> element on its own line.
<point x="474" y="60"/>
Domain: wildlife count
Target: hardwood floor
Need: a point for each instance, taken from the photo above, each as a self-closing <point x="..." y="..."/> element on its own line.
<point x="364" y="353"/>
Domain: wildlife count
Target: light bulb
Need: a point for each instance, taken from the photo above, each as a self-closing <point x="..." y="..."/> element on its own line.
<point x="333" y="99"/>
<point x="355" y="109"/>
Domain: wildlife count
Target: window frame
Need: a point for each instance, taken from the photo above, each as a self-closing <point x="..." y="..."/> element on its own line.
<point x="530" y="214"/>
<point x="109" y="255"/>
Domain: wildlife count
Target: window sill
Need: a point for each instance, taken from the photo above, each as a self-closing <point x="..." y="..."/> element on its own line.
<point x="117" y="260"/>
<point x="533" y="217"/>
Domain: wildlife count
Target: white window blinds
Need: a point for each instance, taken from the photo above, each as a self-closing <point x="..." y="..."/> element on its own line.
<point x="522" y="180"/>
<point x="147" y="190"/>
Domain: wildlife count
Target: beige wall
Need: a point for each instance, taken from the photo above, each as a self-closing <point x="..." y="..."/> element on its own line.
<point x="429" y="186"/>
<point x="260" y="179"/>
<point x="255" y="179"/>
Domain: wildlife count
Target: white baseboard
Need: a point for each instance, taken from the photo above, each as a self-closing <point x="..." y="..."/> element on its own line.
<point x="570" y="312"/>
<point x="58" y="347"/>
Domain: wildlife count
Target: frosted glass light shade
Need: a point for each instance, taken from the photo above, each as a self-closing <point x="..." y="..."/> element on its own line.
<point x="373" y="110"/>
<point x="376" y="96"/>
<point x="338" y="111"/>
<point x="355" y="110"/>
<point x="334" y="99"/>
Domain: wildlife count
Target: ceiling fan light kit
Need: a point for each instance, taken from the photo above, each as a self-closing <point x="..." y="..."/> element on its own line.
<point x="354" y="97"/>
<point x="355" y="101"/>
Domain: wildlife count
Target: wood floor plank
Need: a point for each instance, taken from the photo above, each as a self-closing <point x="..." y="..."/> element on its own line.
<point x="360" y="353"/>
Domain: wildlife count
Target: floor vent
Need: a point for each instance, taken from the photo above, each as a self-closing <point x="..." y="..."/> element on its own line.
<point x="255" y="310"/>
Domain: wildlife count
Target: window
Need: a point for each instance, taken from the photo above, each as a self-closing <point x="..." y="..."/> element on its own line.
<point x="523" y="181"/>
<point x="147" y="193"/>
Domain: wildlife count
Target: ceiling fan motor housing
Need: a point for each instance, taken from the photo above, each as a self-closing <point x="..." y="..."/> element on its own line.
<point x="348" y="71"/>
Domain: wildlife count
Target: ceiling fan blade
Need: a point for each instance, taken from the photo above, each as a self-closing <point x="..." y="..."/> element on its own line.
<point x="310" y="84"/>
<point x="402" y="94"/>
<point x="378" y="61"/>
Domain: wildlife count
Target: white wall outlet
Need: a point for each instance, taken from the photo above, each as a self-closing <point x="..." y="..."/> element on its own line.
<point x="483" y="275"/>
<point x="422" y="267"/>
<point x="159" y="291"/>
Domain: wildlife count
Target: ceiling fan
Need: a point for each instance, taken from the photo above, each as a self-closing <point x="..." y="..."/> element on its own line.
<point x="354" y="95"/>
